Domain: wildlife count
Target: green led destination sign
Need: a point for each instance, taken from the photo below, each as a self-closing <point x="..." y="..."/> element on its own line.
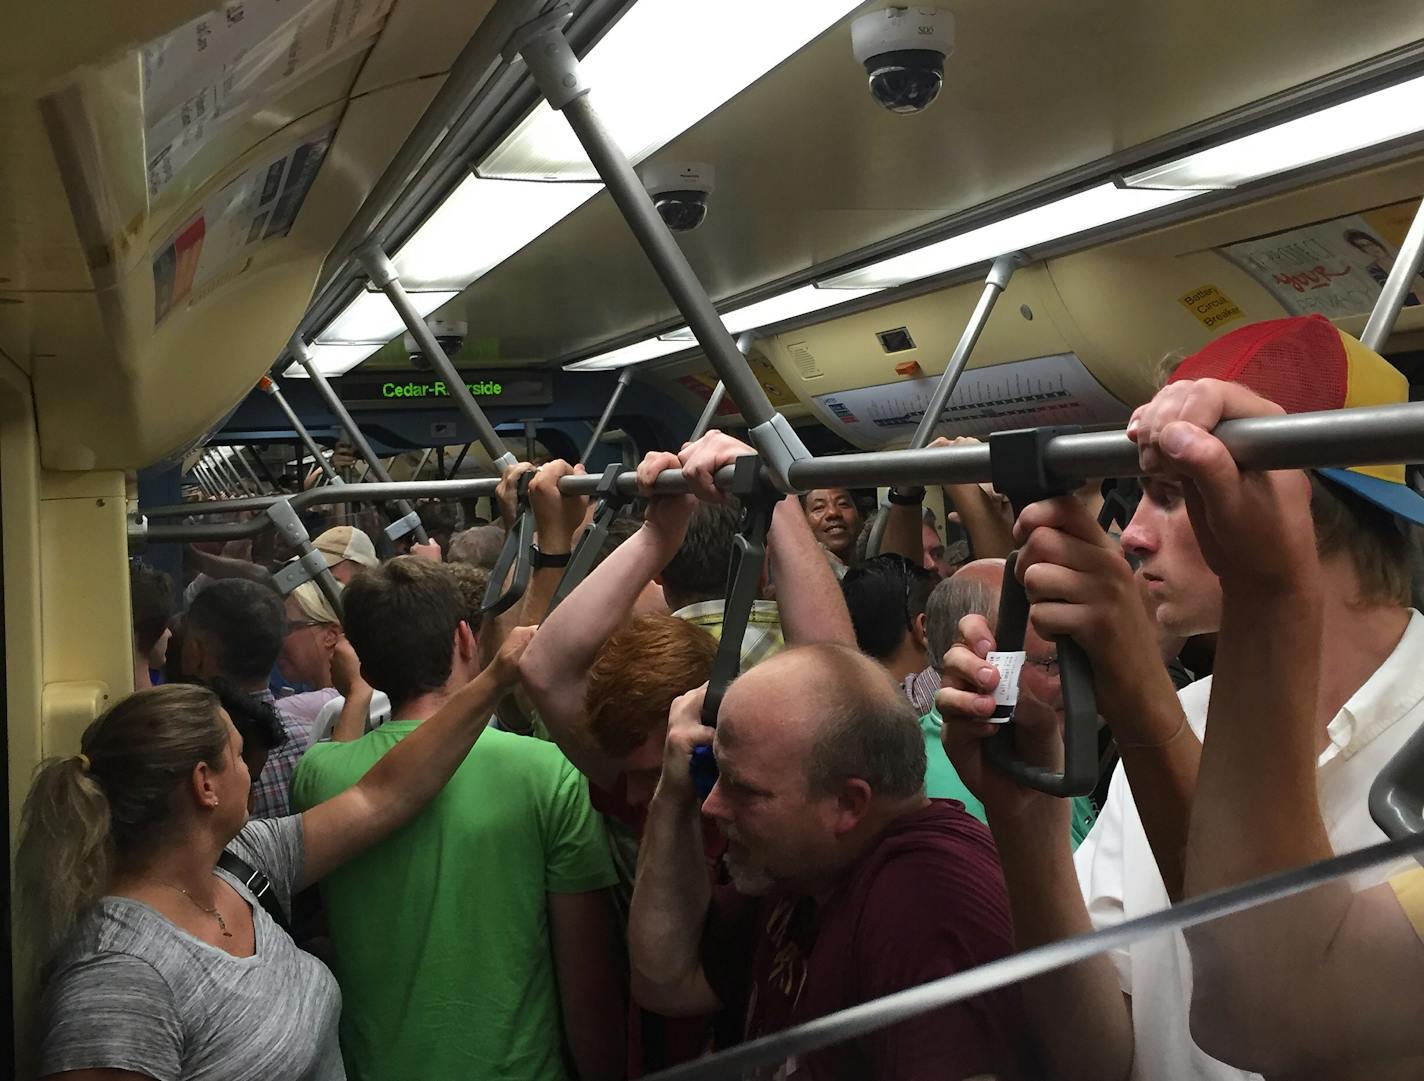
<point x="409" y="390"/>
<point x="436" y="388"/>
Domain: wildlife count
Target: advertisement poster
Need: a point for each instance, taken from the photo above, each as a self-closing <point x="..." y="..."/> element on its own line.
<point x="260" y="204"/>
<point x="219" y="67"/>
<point x="1336" y="267"/>
<point x="1055" y="389"/>
<point x="778" y="393"/>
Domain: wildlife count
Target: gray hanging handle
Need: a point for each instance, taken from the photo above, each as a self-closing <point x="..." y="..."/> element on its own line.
<point x="516" y="553"/>
<point x="1016" y="459"/>
<point x="1397" y="796"/>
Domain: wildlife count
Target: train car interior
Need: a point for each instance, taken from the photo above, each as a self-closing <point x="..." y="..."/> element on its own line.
<point x="261" y="250"/>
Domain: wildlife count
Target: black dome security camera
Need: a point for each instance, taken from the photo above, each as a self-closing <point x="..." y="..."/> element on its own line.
<point x="680" y="191"/>
<point x="903" y="50"/>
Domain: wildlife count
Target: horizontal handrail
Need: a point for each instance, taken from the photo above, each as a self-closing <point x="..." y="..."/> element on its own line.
<point x="1336" y="437"/>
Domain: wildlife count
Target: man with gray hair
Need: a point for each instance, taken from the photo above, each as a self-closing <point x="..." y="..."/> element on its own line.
<point x="848" y="883"/>
<point x="972" y="590"/>
<point x="478" y="546"/>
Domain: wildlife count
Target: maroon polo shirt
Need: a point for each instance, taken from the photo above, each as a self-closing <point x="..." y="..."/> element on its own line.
<point x="927" y="901"/>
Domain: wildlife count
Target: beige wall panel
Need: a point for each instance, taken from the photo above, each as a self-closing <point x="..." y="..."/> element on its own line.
<point x="146" y="392"/>
<point x="44" y="41"/>
<point x="421" y="37"/>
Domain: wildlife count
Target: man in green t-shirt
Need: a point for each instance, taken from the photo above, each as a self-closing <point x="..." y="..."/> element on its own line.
<point x="472" y="939"/>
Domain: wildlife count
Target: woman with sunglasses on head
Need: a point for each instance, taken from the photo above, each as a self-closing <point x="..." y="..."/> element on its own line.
<point x="157" y="961"/>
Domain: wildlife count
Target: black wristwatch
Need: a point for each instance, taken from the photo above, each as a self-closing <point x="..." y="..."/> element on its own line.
<point x="538" y="560"/>
<point x="908" y="497"/>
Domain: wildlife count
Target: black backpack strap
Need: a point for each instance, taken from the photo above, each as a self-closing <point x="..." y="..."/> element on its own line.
<point x="257" y="885"/>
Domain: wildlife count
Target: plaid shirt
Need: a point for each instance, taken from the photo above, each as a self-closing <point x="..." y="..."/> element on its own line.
<point x="921" y="688"/>
<point x="271" y="789"/>
<point x="763" y="637"/>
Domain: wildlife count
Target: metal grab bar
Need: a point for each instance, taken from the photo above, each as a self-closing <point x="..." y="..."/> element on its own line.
<point x="1335" y="437"/>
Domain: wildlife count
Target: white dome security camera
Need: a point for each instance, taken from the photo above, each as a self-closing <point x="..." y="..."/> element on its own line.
<point x="449" y="333"/>
<point x="903" y="50"/>
<point x="680" y="191"/>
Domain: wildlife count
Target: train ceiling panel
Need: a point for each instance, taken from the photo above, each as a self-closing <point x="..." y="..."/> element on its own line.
<point x="809" y="168"/>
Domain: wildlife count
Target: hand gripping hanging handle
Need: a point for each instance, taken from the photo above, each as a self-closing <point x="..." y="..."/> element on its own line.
<point x="1016" y="459"/>
<point x="758" y="500"/>
<point x="516" y="554"/>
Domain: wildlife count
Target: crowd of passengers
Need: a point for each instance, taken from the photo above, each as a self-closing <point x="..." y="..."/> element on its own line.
<point x="485" y="855"/>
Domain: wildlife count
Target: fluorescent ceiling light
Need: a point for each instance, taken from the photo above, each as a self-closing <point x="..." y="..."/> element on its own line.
<point x="777" y="309"/>
<point x="661" y="68"/>
<point x="1072" y="214"/>
<point x="648" y="349"/>
<point x="371" y="319"/>
<point x="1378" y="117"/>
<point x="333" y="360"/>
<point x="480" y="225"/>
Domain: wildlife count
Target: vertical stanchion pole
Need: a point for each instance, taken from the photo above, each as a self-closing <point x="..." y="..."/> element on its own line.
<point x="1396" y="286"/>
<point x="407" y="521"/>
<point x="240" y="453"/>
<point x="384" y="277"/>
<point x="269" y="386"/>
<point x="714" y="402"/>
<point x="555" y="68"/>
<point x="531" y="437"/>
<point x="994" y="286"/>
<point x="624" y="378"/>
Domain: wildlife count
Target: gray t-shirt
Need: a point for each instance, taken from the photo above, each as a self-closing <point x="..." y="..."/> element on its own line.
<point x="132" y="991"/>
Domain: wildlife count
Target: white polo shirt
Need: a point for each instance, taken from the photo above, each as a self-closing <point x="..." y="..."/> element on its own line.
<point x="1120" y="880"/>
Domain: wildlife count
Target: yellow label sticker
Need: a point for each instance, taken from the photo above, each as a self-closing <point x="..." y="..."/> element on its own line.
<point x="1211" y="306"/>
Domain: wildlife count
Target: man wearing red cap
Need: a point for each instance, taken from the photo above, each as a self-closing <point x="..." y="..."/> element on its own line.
<point x="1371" y="691"/>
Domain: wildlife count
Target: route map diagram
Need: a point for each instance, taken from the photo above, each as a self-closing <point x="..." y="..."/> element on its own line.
<point x="1055" y="389"/>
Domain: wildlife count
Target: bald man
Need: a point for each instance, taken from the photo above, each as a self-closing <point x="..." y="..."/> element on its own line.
<point x="848" y="883"/>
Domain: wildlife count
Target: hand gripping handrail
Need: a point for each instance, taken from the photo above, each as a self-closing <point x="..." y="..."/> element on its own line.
<point x="517" y="554"/>
<point x="758" y="499"/>
<point x="1017" y="461"/>
<point x="1336" y="437"/>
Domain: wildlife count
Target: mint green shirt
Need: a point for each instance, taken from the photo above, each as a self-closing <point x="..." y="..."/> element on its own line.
<point x="440" y="933"/>
<point x="942" y="782"/>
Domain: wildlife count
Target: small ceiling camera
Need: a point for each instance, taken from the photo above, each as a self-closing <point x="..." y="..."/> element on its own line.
<point x="903" y="50"/>
<point x="680" y="191"/>
<point x="449" y="334"/>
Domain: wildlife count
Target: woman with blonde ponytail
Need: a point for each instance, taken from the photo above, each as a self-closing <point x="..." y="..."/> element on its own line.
<point x="159" y="965"/>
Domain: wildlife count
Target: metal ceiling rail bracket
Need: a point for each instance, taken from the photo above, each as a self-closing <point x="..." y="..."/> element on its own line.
<point x="400" y="522"/>
<point x="624" y="378"/>
<point x="269" y="386"/>
<point x="384" y="277"/>
<point x="555" y="69"/>
<point x="310" y="565"/>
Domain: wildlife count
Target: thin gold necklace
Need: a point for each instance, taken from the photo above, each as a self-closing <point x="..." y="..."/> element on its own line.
<point x="222" y="923"/>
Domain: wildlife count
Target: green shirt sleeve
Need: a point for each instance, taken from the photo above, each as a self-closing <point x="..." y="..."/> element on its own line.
<point x="576" y="856"/>
<point x="306" y="790"/>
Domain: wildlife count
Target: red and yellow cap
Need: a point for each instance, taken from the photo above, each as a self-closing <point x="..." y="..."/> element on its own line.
<point x="1306" y="364"/>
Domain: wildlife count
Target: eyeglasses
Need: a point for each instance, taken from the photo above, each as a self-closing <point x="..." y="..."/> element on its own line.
<point x="298" y="624"/>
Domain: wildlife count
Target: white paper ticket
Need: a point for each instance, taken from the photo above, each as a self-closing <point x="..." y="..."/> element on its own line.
<point x="1009" y="664"/>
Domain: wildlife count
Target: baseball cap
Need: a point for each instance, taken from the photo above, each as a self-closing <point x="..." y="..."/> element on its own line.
<point x="1306" y="364"/>
<point x="346" y="542"/>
